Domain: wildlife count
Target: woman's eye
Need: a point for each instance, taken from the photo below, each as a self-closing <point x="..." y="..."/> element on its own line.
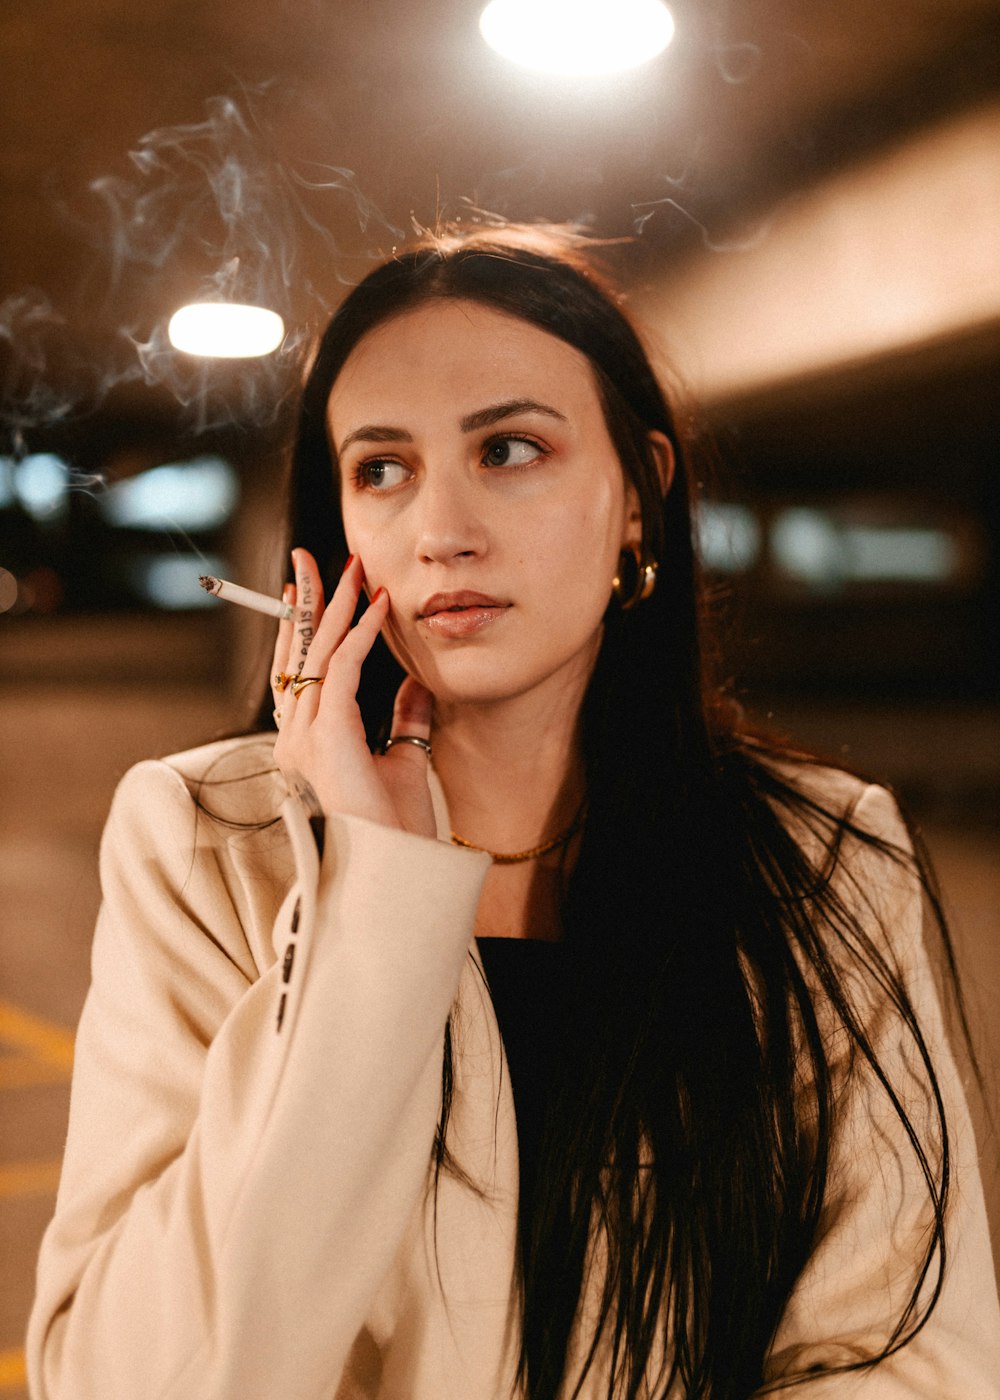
<point x="381" y="474"/>
<point x="511" y="452"/>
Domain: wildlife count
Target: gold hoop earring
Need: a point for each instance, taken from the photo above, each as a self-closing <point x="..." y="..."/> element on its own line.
<point x="634" y="581"/>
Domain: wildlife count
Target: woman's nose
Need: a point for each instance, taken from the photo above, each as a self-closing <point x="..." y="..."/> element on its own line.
<point x="449" y="524"/>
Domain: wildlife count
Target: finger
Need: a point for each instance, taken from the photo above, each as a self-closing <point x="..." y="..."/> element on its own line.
<point x="308" y="608"/>
<point x="282" y="644"/>
<point x="412" y="714"/>
<point x="405" y="767"/>
<point x="333" y="628"/>
<point x="344" y="669"/>
<point x="337" y="618"/>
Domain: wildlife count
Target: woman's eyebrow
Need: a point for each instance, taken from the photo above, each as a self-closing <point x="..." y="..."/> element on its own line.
<point x="486" y="417"/>
<point x="372" y="432"/>
<point x="482" y="418"/>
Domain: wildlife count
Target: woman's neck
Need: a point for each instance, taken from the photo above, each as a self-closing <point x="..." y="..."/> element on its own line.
<point x="512" y="771"/>
<point x="513" y="778"/>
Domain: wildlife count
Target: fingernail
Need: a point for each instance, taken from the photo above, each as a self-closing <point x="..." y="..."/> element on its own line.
<point x="377" y="594"/>
<point x="350" y="561"/>
<point x="295" y="559"/>
<point x="288" y="593"/>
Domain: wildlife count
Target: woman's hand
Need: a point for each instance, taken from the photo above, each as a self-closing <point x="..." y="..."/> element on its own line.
<point x="321" y="737"/>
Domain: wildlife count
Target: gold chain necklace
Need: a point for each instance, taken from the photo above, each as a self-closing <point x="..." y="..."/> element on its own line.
<point x="500" y="859"/>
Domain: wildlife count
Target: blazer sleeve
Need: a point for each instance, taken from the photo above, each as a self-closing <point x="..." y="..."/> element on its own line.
<point x="233" y="1194"/>
<point x="877" y="1212"/>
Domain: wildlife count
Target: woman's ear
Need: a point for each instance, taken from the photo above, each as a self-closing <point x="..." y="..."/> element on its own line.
<point x="666" y="462"/>
<point x="663" y="454"/>
<point x="632" y="535"/>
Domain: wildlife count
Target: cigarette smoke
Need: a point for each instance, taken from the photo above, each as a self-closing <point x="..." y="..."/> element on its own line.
<point x="206" y="211"/>
<point x="37" y="360"/>
<point x="740" y="241"/>
<point x="213" y="210"/>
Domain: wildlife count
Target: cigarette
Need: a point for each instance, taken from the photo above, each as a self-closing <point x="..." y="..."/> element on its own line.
<point x="246" y="597"/>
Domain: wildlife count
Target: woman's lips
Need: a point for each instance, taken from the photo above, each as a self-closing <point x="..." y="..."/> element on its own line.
<point x="460" y="614"/>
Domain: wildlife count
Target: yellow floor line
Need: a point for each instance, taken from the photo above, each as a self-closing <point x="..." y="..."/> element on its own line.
<point x="29" y="1178"/>
<point x="42" y="1054"/>
<point x="12" y="1368"/>
<point x="32" y="1035"/>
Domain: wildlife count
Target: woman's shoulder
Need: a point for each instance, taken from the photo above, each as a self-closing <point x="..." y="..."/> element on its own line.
<point x="815" y="785"/>
<point x="235" y="781"/>
<point x="838" y="818"/>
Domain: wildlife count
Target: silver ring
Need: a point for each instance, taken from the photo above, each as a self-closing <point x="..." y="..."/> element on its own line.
<point x="408" y="739"/>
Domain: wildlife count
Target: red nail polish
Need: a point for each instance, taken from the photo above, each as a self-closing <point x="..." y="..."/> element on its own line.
<point x="377" y="594"/>
<point x="350" y="561"/>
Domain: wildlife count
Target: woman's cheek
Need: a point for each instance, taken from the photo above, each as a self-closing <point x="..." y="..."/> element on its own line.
<point x="396" y="640"/>
<point x="365" y="543"/>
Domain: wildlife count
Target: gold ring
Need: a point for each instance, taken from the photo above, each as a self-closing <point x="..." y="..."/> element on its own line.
<point x="277" y="717"/>
<point x="282" y="680"/>
<point x="299" y="686"/>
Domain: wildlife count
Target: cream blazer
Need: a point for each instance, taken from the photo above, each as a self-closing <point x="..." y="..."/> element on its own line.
<point x="245" y="1212"/>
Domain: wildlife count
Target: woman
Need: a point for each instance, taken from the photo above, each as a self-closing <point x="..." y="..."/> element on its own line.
<point x="721" y="1148"/>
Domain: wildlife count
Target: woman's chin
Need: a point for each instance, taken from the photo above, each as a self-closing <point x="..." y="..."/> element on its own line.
<point x="489" y="676"/>
<point x="452" y="695"/>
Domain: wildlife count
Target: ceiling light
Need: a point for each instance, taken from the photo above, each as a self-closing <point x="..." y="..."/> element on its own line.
<point x="577" y="37"/>
<point x="170" y="581"/>
<point x="196" y="495"/>
<point x="225" y="330"/>
<point x="41" y="483"/>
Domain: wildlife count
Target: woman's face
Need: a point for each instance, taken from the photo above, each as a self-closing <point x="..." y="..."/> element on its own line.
<point x="480" y="487"/>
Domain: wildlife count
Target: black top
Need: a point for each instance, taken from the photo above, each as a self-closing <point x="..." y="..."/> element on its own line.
<point x="527" y="981"/>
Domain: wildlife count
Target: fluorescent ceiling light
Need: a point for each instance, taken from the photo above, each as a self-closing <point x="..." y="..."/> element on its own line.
<point x="225" y="330"/>
<point x="170" y="581"/>
<point x="729" y="536"/>
<point x="819" y="550"/>
<point x="196" y="495"/>
<point x="577" y="37"/>
<point x="41" y="484"/>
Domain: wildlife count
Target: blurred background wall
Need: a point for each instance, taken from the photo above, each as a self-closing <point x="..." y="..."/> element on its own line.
<point x="812" y="203"/>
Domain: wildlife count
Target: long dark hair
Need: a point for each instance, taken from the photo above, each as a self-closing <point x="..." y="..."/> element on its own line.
<point x="712" y="950"/>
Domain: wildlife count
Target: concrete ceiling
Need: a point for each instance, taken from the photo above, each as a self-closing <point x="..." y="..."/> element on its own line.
<point x="281" y="144"/>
